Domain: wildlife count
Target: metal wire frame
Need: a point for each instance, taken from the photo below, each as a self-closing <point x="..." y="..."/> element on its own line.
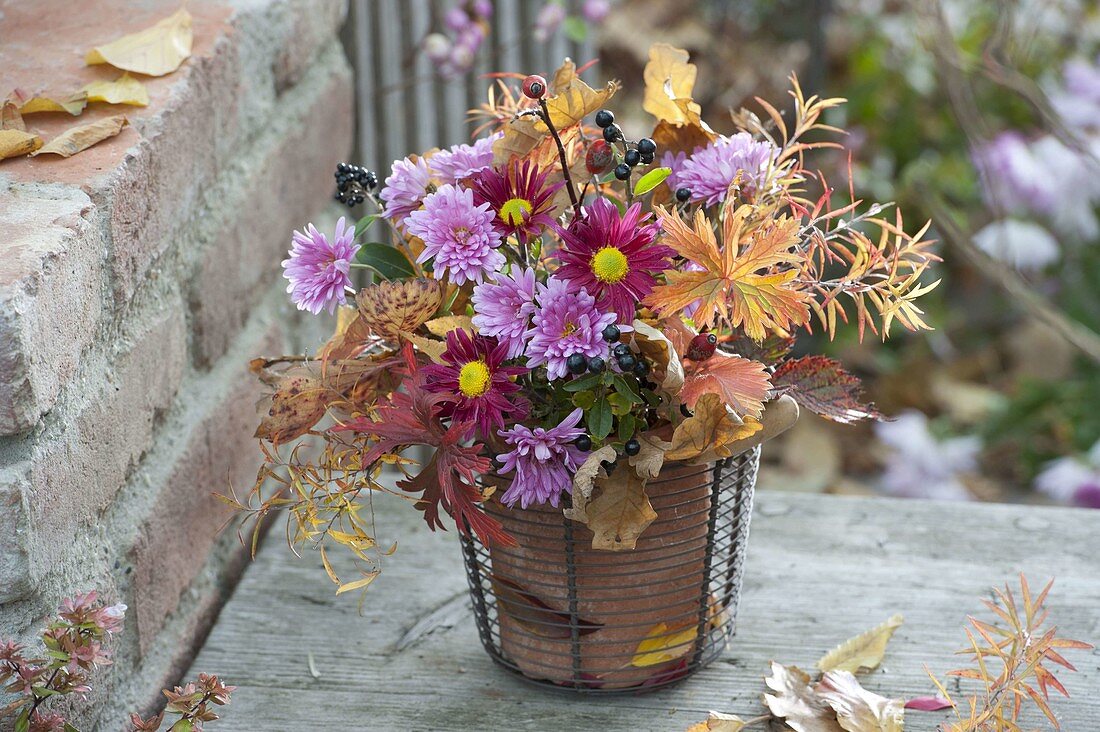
<point x="535" y="622"/>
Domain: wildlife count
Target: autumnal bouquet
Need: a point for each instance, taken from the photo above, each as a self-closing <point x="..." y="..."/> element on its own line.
<point x="558" y="303"/>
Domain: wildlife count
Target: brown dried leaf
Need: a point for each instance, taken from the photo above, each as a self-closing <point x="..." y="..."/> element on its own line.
<point x="668" y="371"/>
<point x="14" y="143"/>
<point x="863" y="652"/>
<point x="710" y="430"/>
<point x="392" y="307"/>
<point x="719" y="722"/>
<point x="82" y="137"/>
<point x="620" y="513"/>
<point x="351" y="336"/>
<point x="651" y="456"/>
<point x="10" y="119"/>
<point x="154" y="51"/>
<point x="297" y="405"/>
<point x="123" y="90"/>
<point x="796" y="702"/>
<point x="859" y="710"/>
<point x="584" y="482"/>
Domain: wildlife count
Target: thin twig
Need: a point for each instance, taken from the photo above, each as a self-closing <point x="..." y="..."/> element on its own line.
<point x="545" y="115"/>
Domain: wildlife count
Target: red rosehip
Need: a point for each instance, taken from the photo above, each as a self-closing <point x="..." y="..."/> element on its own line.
<point x="598" y="157"/>
<point x="534" y="87"/>
<point x="702" y="346"/>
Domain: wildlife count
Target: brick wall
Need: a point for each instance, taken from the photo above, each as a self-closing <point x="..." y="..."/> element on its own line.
<point x="136" y="280"/>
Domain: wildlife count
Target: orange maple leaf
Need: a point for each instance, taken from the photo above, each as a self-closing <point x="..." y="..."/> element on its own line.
<point x="746" y="281"/>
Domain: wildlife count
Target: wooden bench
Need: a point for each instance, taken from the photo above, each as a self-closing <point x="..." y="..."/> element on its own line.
<point x="820" y="569"/>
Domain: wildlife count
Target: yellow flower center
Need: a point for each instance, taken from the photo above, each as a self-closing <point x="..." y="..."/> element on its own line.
<point x="515" y="210"/>
<point x="474" y="378"/>
<point x="569" y="329"/>
<point x="609" y="265"/>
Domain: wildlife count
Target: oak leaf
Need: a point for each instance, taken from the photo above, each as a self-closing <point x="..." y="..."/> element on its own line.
<point x="864" y="652"/>
<point x="123" y="90"/>
<point x="651" y="455"/>
<point x="663" y="644"/>
<point x="392" y="307"/>
<point x="154" y="51"/>
<point x="796" y="703"/>
<point x="14" y="143"/>
<point x="710" y="430"/>
<point x="719" y="722"/>
<point x="620" y="513"/>
<point x="658" y="350"/>
<point x="821" y="385"/>
<point x="82" y="137"/>
<point x="584" y="482"/>
<point x="748" y="282"/>
<point x="859" y="710"/>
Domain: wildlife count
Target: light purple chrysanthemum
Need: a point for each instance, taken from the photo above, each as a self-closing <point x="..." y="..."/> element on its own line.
<point x="544" y="461"/>
<point x="566" y="321"/>
<point x="318" y="269"/>
<point x="709" y="171"/>
<point x="406" y="187"/>
<point x="504" y="308"/>
<point x="458" y="234"/>
<point x="459" y="162"/>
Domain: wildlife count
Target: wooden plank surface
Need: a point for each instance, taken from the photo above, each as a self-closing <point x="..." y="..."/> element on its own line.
<point x="820" y="569"/>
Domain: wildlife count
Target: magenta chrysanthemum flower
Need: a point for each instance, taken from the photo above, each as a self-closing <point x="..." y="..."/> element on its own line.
<point x="318" y="269"/>
<point x="709" y="171"/>
<point x="566" y="321"/>
<point x="408" y="183"/>
<point x="459" y="162"/>
<point x="519" y="196"/>
<point x="544" y="461"/>
<point x="457" y="234"/>
<point x="477" y="388"/>
<point x="612" y="257"/>
<point x="503" y="308"/>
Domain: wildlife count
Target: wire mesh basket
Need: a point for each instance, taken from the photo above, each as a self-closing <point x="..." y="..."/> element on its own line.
<point x="565" y="616"/>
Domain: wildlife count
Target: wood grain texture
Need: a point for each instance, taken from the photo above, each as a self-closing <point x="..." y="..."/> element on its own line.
<point x="820" y="569"/>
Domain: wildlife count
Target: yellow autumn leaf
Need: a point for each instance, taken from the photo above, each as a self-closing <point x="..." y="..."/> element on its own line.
<point x="711" y="430"/>
<point x="73" y="104"/>
<point x="669" y="79"/>
<point x="14" y="143"/>
<point x="445" y="324"/>
<point x="430" y="347"/>
<point x="357" y="584"/>
<point x="863" y="652"/>
<point x="620" y="513"/>
<point x="154" y="51"/>
<point x="123" y="90"/>
<point x="719" y="722"/>
<point x="663" y="644"/>
<point x="82" y="137"/>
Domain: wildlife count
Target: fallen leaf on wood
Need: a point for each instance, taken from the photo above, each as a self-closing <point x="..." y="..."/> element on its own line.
<point x="620" y="513"/>
<point x="393" y="307"/>
<point x="651" y="456"/>
<point x="859" y="710"/>
<point x="77" y="139"/>
<point x="863" y="652"/>
<point x="14" y="143"/>
<point x="663" y="644"/>
<point x="33" y="104"/>
<point x="718" y="722"/>
<point x="711" y="430"/>
<point x="10" y="119"/>
<point x="928" y="703"/>
<point x="796" y="702"/>
<point x="155" y="51"/>
<point x="296" y="406"/>
<point x="123" y="90"/>
<point x="584" y="482"/>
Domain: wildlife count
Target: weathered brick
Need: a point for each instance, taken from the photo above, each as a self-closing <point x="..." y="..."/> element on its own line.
<point x="50" y="296"/>
<point x="69" y="473"/>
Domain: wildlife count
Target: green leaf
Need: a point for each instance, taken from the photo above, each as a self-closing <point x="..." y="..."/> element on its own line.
<point x="584" y="399"/>
<point x="363" y="224"/>
<point x="184" y="725"/>
<point x="598" y="419"/>
<point x="575" y="29"/>
<point x="70" y="728"/>
<point x="389" y="262"/>
<point x="627" y="424"/>
<point x="23" y="722"/>
<point x="625" y="388"/>
<point x="651" y="180"/>
<point x="585" y="382"/>
<point x="620" y="404"/>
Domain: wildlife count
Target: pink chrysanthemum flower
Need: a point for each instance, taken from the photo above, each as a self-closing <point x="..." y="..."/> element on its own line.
<point x="476" y="387"/>
<point x="408" y="183"/>
<point x="519" y="196"/>
<point x="612" y="257"/>
<point x="318" y="269"/>
<point x="457" y="234"/>
<point x="566" y="321"/>
<point x="544" y="461"/>
<point x="709" y="171"/>
<point x="504" y="308"/>
<point x="459" y="162"/>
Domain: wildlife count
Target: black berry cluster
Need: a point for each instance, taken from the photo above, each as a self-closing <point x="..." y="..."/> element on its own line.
<point x="637" y="153"/>
<point x="353" y="182"/>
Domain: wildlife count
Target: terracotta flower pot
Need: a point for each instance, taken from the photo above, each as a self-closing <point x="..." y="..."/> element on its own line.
<point x="557" y="611"/>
